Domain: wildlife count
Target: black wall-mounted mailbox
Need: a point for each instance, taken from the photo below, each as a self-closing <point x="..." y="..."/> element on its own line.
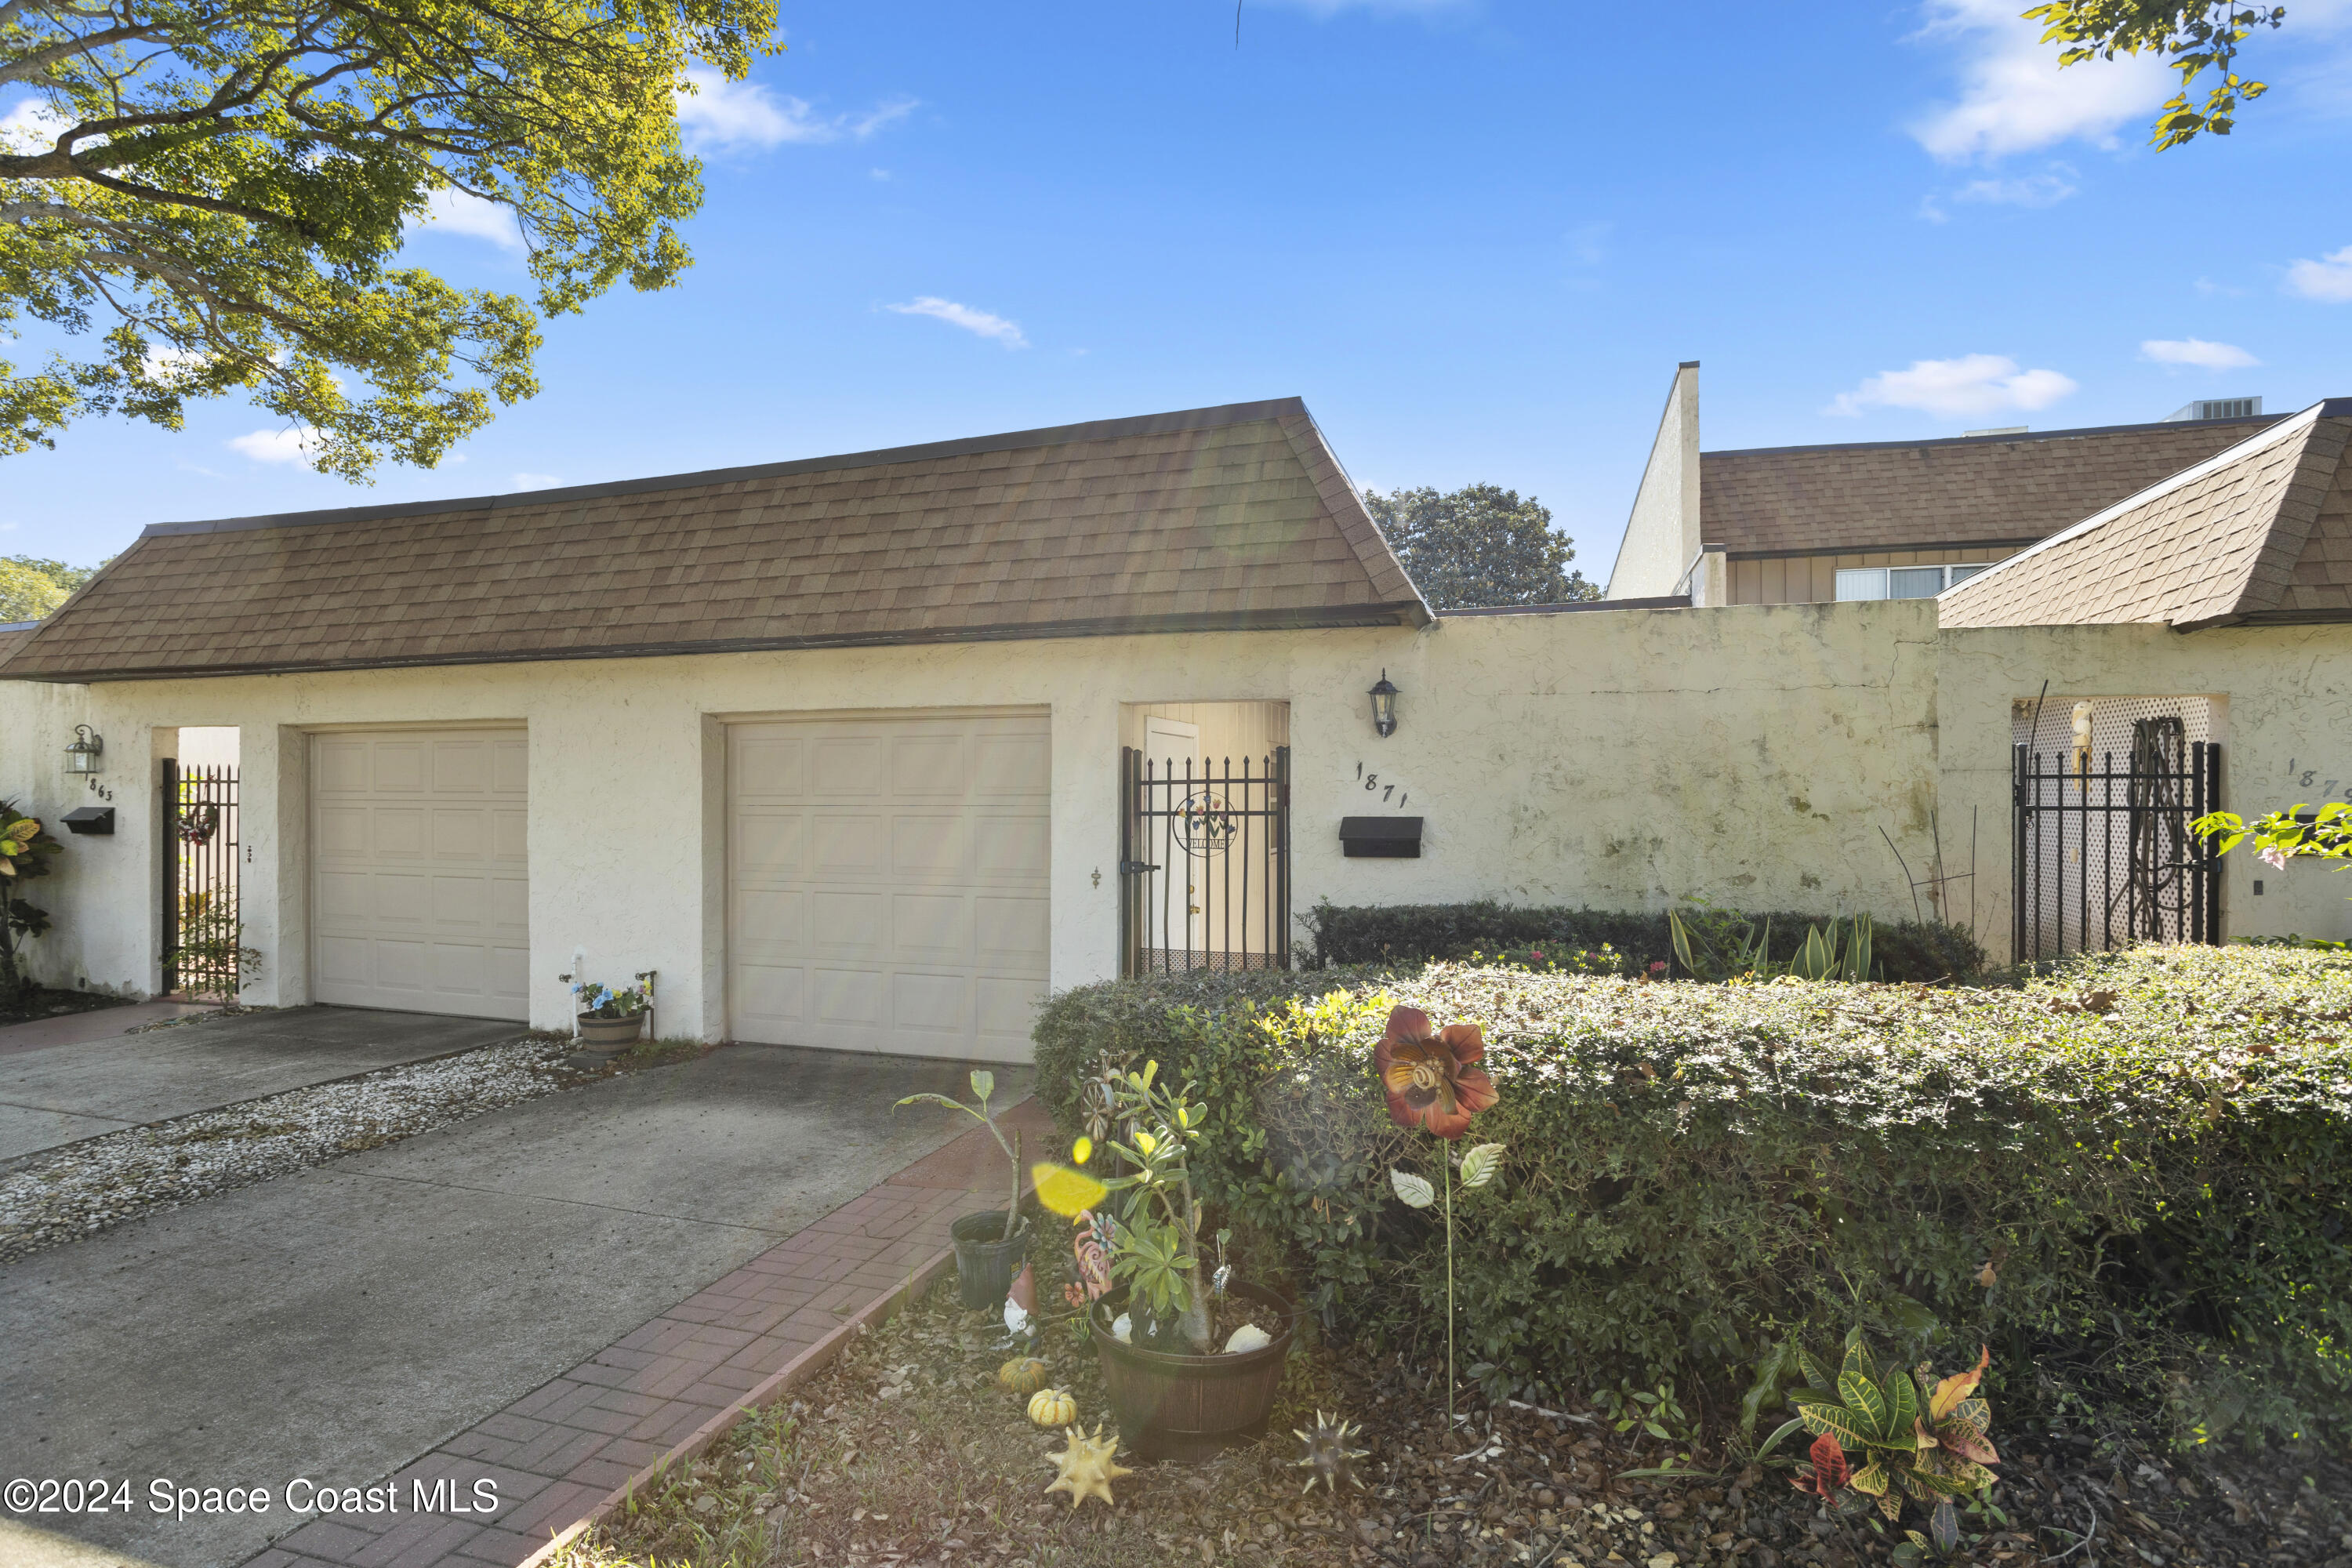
<point x="91" y="819"/>
<point x="1380" y="838"/>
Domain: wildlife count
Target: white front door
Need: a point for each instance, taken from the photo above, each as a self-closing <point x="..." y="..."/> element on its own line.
<point x="887" y="882"/>
<point x="1170" y="747"/>
<point x="420" y="879"/>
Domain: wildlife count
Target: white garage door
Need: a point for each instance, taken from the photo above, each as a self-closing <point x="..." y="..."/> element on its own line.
<point x="887" y="882"/>
<point x="420" y="886"/>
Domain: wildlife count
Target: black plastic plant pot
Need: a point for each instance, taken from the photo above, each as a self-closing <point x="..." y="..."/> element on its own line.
<point x="986" y="1261"/>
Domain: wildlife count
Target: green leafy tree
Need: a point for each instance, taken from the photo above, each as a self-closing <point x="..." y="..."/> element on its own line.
<point x="228" y="183"/>
<point x="27" y="593"/>
<point x="1480" y="545"/>
<point x="2193" y="38"/>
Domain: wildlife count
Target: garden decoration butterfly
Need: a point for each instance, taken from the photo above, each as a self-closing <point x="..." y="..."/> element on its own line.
<point x="1432" y="1081"/>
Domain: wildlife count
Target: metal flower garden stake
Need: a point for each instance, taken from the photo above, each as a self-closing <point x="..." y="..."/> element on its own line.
<point x="1432" y="1080"/>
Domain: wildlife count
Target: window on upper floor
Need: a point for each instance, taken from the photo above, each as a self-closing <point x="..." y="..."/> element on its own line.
<point x="1902" y="581"/>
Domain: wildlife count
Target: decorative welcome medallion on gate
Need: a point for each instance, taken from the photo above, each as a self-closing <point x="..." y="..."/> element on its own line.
<point x="1205" y="823"/>
<point x="197" y="826"/>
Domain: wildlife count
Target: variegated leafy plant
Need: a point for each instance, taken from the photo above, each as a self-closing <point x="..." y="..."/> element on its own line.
<point x="1890" y="1434"/>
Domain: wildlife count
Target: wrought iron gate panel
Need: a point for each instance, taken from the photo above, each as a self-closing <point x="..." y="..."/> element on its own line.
<point x="203" y="935"/>
<point x="1203" y="863"/>
<point x="2103" y="856"/>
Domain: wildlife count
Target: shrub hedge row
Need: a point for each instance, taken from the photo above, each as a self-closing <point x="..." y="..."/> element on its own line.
<point x="2129" y="1178"/>
<point x="1412" y="933"/>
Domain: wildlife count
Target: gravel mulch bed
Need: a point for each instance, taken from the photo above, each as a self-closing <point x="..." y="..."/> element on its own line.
<point x="66" y="1193"/>
<point x="906" y="1455"/>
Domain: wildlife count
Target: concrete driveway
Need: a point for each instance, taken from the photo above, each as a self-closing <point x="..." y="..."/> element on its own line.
<point x="336" y="1323"/>
<point x="51" y="1095"/>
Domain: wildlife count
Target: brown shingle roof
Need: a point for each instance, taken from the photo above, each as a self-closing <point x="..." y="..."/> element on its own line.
<point x="1224" y="517"/>
<point x="1906" y="495"/>
<point x="2258" y="533"/>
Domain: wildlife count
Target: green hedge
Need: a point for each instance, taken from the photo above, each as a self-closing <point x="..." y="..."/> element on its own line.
<point x="1408" y="934"/>
<point x="2158" y="1176"/>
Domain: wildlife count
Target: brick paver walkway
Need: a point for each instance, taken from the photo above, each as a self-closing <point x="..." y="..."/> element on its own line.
<point x="556" y="1453"/>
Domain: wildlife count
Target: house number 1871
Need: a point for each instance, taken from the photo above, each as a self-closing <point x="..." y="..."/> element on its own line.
<point x="1372" y="783"/>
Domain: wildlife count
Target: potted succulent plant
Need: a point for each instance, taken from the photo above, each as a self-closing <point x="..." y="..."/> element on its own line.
<point x="1193" y="1362"/>
<point x="613" y="1020"/>
<point x="988" y="1246"/>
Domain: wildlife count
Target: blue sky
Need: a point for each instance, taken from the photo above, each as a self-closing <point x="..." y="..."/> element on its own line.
<point x="1475" y="235"/>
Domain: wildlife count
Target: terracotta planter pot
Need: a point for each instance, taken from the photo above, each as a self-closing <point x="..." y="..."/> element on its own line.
<point x="610" y="1034"/>
<point x="985" y="1261"/>
<point x="1191" y="1407"/>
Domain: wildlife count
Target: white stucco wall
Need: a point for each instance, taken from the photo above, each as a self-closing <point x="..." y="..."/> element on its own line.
<point x="1622" y="759"/>
<point x="1662" y="534"/>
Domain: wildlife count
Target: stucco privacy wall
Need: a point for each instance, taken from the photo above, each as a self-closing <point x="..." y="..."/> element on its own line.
<point x="1622" y="759"/>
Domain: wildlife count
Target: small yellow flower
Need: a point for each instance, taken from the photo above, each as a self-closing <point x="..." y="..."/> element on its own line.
<point x="1146" y="1141"/>
<point x="1082" y="1151"/>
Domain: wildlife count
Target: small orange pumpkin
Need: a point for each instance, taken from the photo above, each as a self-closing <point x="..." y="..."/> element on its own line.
<point x="1021" y="1374"/>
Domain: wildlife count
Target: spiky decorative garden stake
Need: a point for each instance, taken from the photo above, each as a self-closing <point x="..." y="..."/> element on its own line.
<point x="1328" y="1454"/>
<point x="1086" y="1467"/>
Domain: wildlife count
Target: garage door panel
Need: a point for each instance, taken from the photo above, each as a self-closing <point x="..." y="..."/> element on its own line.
<point x="848" y="995"/>
<point x="398" y="768"/>
<point x="1011" y="765"/>
<point x="397" y="830"/>
<point x="887" y="882"/>
<point x="847" y="765"/>
<point x="510" y="766"/>
<point x="840" y="844"/>
<point x="1012" y="932"/>
<point x="848" y="925"/>
<point x="928" y="846"/>
<point x="765" y="846"/>
<point x="420" y="888"/>
<point x="1011" y="847"/>
<point x="927" y="766"/>
<point x="462" y="834"/>
<point x="401" y="900"/>
<point x="461" y="767"/>
<point x="935" y="1004"/>
<point x="930" y="928"/>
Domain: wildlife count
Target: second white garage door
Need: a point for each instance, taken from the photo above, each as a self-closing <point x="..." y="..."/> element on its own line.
<point x="420" y="888"/>
<point x="887" y="882"/>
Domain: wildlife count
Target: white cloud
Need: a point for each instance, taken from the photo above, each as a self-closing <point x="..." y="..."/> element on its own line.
<point x="2329" y="279"/>
<point x="1968" y="387"/>
<point x="30" y="126"/>
<point x="2046" y="189"/>
<point x="721" y="115"/>
<point x="964" y="316"/>
<point x="460" y="211"/>
<point x="2013" y="96"/>
<point x="288" y="446"/>
<point x="534" y="481"/>
<point x="2197" y="353"/>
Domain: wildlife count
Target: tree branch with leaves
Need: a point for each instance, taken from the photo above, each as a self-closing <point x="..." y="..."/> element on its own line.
<point x="2193" y="40"/>
<point x="229" y="183"/>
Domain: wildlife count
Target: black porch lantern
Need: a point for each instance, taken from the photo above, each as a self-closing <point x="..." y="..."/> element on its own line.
<point x="1384" y="698"/>
<point x="81" y="751"/>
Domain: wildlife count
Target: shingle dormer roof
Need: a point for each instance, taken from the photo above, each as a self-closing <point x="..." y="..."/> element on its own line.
<point x="2261" y="532"/>
<point x="1236" y="516"/>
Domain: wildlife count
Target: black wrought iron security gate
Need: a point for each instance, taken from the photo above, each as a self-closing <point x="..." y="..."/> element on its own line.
<point x="1203" y="862"/>
<point x="2104" y="856"/>
<point x="202" y="925"/>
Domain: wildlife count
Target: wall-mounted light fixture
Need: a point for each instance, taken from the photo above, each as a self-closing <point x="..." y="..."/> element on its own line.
<point x="81" y="751"/>
<point x="1384" y="698"/>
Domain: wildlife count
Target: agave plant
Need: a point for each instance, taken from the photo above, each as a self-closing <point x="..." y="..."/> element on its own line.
<point x="1824" y="956"/>
<point x="1730" y="948"/>
<point x="1909" y="1434"/>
